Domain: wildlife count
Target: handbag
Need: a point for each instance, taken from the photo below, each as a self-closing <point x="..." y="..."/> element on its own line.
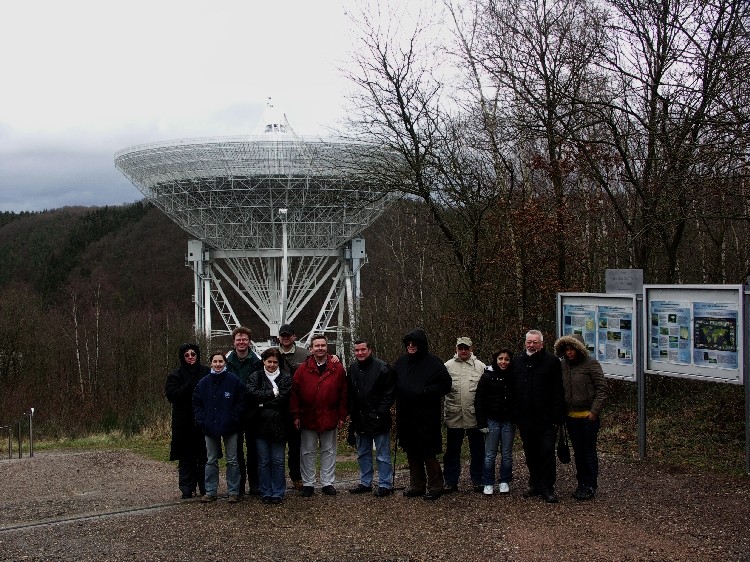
<point x="563" y="449"/>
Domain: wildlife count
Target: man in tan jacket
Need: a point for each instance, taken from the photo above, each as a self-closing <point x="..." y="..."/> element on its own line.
<point x="460" y="419"/>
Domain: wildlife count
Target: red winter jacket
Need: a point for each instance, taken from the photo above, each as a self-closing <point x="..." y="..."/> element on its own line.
<point x="319" y="400"/>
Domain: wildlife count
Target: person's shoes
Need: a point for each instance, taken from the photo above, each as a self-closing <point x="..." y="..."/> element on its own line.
<point x="381" y="492"/>
<point x="504" y="488"/>
<point x="187" y="495"/>
<point x="307" y="491"/>
<point x="412" y="493"/>
<point x="233" y="498"/>
<point x="550" y="497"/>
<point x="208" y="499"/>
<point x="329" y="490"/>
<point x="583" y="493"/>
<point x="360" y="489"/>
<point x="450" y="488"/>
<point x="531" y="492"/>
<point x="253" y="492"/>
<point x="432" y="495"/>
<point x="489" y="489"/>
<point x="265" y="499"/>
<point x="478" y="488"/>
<point x="276" y="500"/>
<point x="297" y="484"/>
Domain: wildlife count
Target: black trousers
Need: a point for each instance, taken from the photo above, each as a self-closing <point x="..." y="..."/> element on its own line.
<point x="539" y="441"/>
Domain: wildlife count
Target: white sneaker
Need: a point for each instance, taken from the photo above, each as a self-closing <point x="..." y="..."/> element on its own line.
<point x="488" y="490"/>
<point x="504" y="488"/>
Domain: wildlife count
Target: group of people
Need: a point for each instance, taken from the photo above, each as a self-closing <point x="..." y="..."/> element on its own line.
<point x="303" y="398"/>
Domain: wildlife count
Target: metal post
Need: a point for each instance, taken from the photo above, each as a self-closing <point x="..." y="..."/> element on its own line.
<point x="640" y="375"/>
<point x="31" y="432"/>
<point x="746" y="370"/>
<point x="284" y="267"/>
<point x="19" y="439"/>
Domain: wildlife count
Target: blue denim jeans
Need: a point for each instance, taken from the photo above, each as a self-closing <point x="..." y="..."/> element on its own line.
<point x="382" y="442"/>
<point x="213" y="449"/>
<point x="271" y="477"/>
<point x="501" y="434"/>
<point x="454" y="438"/>
<point x="583" y="434"/>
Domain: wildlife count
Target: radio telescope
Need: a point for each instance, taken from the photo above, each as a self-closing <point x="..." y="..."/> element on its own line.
<point x="275" y="216"/>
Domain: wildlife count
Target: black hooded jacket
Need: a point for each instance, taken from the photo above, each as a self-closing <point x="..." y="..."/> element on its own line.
<point x="421" y="382"/>
<point x="178" y="389"/>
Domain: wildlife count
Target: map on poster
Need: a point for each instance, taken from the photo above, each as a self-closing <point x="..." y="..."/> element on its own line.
<point x="606" y="330"/>
<point x="615" y="334"/>
<point x="670" y="331"/>
<point x="715" y="335"/>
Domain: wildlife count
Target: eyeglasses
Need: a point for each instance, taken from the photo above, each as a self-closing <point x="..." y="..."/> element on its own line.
<point x="190" y="354"/>
<point x="411" y="344"/>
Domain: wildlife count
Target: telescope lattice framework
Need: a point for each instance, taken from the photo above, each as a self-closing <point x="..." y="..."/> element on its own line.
<point x="275" y="216"/>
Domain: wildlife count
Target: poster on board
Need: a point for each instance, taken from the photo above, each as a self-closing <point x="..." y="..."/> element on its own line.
<point x="715" y="335"/>
<point x="608" y="325"/>
<point x="615" y="334"/>
<point x="670" y="331"/>
<point x="694" y="331"/>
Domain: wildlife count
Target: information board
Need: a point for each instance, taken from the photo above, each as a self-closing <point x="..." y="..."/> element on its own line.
<point x="608" y="325"/>
<point x="694" y="331"/>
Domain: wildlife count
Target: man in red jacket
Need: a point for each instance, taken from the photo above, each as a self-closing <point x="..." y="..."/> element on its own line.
<point x="318" y="407"/>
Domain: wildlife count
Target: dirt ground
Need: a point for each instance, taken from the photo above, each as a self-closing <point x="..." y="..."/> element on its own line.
<point x="87" y="506"/>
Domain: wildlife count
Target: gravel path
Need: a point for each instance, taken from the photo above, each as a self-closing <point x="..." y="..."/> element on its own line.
<point x="88" y="506"/>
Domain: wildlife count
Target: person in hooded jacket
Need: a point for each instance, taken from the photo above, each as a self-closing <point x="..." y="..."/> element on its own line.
<point x="219" y="409"/>
<point x="268" y="393"/>
<point x="187" y="447"/>
<point x="585" y="395"/>
<point x="421" y="381"/>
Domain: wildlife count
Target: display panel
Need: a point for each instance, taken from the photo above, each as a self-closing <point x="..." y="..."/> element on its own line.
<point x="694" y="331"/>
<point x="608" y="325"/>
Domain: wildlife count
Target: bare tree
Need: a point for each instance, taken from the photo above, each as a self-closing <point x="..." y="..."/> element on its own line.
<point x="667" y="123"/>
<point x="399" y="104"/>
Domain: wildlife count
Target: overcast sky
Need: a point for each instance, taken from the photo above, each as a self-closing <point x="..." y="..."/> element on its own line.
<point x="82" y="79"/>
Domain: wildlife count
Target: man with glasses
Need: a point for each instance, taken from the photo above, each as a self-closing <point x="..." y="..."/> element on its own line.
<point x="460" y="420"/>
<point x="243" y="361"/>
<point x="539" y="409"/>
<point x="188" y="446"/>
<point x="421" y="382"/>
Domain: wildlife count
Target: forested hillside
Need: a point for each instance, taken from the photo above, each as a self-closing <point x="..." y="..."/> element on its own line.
<point x="94" y="303"/>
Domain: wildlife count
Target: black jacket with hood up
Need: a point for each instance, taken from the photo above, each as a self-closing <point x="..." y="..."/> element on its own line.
<point x="178" y="389"/>
<point x="421" y="381"/>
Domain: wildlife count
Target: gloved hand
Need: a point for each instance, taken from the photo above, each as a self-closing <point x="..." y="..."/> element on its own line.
<point x="351" y="438"/>
<point x="484" y="430"/>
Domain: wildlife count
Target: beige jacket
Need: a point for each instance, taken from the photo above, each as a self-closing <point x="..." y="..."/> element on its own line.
<point x="458" y="406"/>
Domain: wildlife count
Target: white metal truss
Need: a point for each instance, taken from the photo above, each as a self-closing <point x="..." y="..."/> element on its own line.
<point x="273" y="215"/>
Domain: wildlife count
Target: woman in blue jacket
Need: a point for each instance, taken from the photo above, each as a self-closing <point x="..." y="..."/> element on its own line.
<point x="218" y="405"/>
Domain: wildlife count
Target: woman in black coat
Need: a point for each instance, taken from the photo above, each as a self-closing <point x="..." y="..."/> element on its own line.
<point x="421" y="381"/>
<point x="188" y="446"/>
<point x="268" y="392"/>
